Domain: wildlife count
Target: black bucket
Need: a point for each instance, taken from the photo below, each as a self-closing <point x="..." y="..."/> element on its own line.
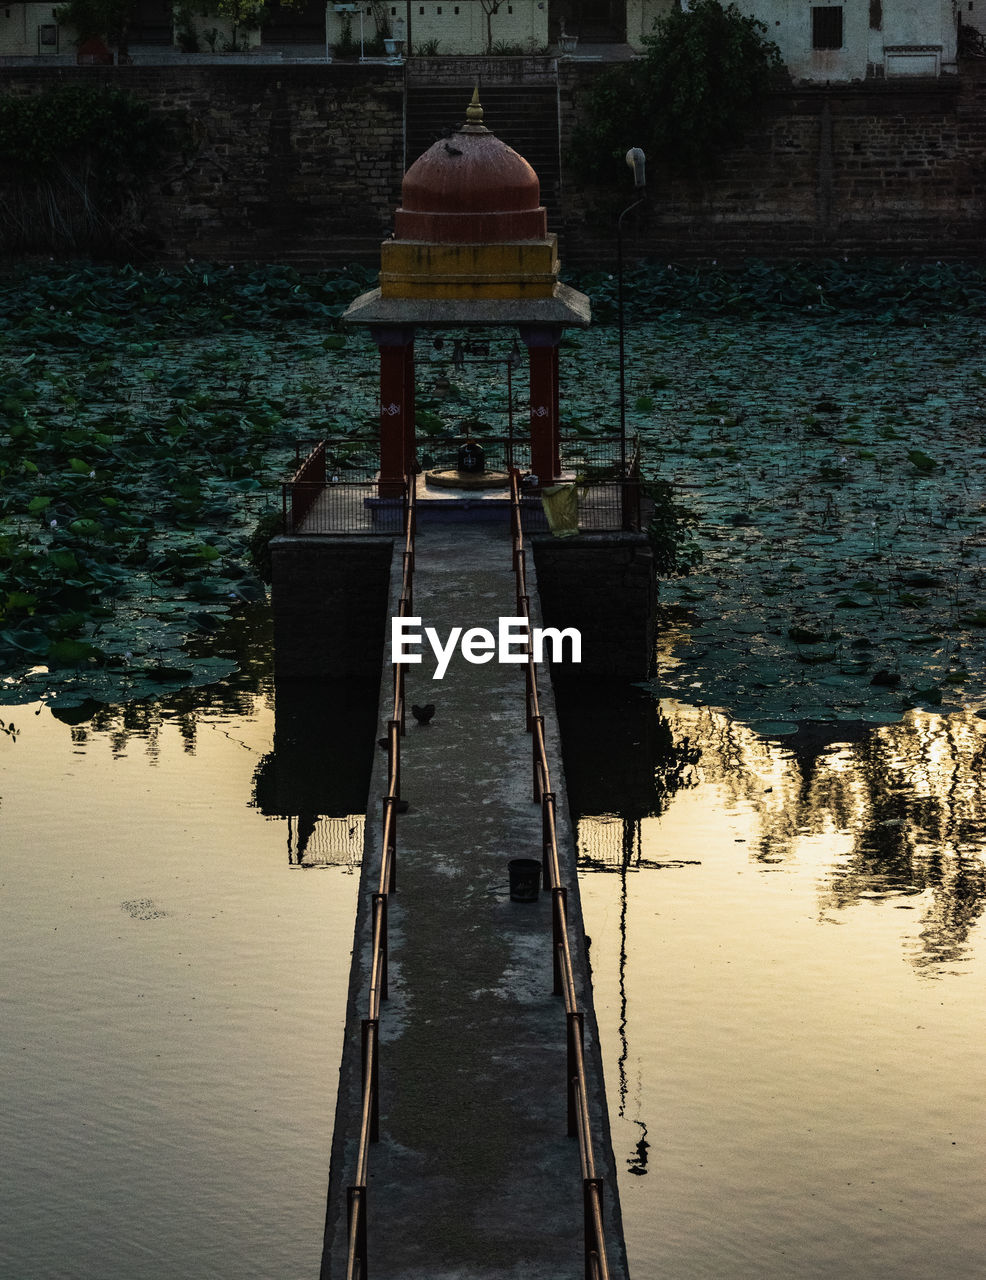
<point x="525" y="879"/>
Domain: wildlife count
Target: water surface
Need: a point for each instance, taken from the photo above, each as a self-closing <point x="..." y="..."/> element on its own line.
<point x="787" y="949"/>
<point x="173" y="998"/>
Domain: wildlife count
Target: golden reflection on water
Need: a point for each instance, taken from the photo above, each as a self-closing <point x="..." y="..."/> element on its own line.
<point x="903" y="810"/>
<point x="789" y="1094"/>
<point x="174" y="997"/>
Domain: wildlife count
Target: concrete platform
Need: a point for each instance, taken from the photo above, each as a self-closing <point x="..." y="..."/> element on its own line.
<point x="348" y="509"/>
<point x="474" y="1176"/>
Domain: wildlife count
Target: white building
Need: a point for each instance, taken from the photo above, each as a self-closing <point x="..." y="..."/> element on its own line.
<point x="842" y="40"/>
<point x="820" y="40"/>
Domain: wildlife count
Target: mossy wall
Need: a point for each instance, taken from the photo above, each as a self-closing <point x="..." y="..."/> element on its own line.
<point x="299" y="163"/>
<point x="303" y="164"/>
<point x="879" y="166"/>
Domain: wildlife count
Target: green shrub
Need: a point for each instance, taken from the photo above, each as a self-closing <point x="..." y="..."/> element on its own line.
<point x="703" y="77"/>
<point x="669" y="531"/>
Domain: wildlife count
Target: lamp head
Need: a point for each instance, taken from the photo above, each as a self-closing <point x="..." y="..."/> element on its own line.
<point x="635" y="161"/>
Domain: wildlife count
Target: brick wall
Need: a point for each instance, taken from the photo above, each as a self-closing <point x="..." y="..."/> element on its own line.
<point x="297" y="163"/>
<point x="329" y="598"/>
<point x="880" y="166"/>
<point x="302" y="163"/>
<point x="602" y="584"/>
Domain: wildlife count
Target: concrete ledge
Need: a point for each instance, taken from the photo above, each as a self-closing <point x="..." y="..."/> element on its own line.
<point x="567" y="307"/>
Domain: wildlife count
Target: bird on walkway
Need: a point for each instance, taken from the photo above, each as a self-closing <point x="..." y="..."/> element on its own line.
<point x="423" y="714"/>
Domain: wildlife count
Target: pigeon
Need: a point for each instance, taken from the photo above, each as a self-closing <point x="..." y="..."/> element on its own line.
<point x="423" y="714"/>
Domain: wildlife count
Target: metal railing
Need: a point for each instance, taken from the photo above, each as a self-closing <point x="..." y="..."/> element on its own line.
<point x="356" y="1262"/>
<point x="302" y="491"/>
<point x="334" y="489"/>
<point x="579" y="1122"/>
<point x="339" y="506"/>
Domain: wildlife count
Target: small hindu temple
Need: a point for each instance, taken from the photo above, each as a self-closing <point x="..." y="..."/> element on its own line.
<point x="470" y="249"/>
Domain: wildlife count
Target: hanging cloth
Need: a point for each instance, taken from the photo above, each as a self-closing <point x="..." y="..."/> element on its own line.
<point x="561" y="506"/>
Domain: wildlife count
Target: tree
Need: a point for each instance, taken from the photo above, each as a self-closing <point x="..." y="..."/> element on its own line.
<point x="490" y="7"/>
<point x="242" y="15"/>
<point x="705" y="73"/>
<point x="107" y="19"/>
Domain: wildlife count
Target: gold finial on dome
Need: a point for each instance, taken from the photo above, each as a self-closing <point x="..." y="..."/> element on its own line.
<point x="474" y="112"/>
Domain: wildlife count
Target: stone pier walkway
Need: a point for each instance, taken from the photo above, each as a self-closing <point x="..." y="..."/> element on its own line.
<point x="474" y="1176"/>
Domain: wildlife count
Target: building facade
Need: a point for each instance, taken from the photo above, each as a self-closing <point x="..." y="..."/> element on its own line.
<point x="819" y="40"/>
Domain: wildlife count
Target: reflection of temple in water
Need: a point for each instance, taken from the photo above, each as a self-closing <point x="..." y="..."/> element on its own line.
<point x="901" y="808"/>
<point x="318" y="774"/>
<point x="317" y="840"/>
<point x="622" y="764"/>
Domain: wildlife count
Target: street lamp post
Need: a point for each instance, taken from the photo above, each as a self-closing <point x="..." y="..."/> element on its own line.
<point x="635" y="160"/>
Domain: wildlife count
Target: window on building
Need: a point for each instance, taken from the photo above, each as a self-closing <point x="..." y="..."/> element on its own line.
<point x="826" y="27"/>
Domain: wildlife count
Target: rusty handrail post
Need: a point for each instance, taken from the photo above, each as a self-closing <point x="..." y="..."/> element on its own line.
<point x="399" y="680"/>
<point x="394" y="753"/>
<point x="356" y="1263"/>
<point x="575" y="1029"/>
<point x="559" y="918"/>
<point x="592" y="1202"/>
<point x="371" y="1042"/>
<point x="547" y="828"/>
<point x="537" y="730"/>
<point x="379" y="900"/>
<point x="389" y="880"/>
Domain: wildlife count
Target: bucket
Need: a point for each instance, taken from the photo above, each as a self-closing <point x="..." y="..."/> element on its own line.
<point x="525" y="879"/>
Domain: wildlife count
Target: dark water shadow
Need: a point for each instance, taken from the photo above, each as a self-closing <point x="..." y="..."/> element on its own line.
<point x="318" y="773"/>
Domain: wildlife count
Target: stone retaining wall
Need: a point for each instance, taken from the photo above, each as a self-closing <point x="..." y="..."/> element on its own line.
<point x="329" y="598"/>
<point x="603" y="584"/>
<point x="302" y="163"/>
<point x="299" y="163"/>
<point x="878" y="167"/>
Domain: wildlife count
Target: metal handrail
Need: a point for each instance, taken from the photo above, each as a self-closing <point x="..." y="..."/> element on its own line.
<point x="369" y="1131"/>
<point x="579" y="1120"/>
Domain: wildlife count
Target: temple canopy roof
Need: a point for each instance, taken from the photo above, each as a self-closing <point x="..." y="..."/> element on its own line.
<point x="471" y="244"/>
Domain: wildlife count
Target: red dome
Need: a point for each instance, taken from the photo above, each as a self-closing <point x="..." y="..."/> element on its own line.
<point x="470" y="187"/>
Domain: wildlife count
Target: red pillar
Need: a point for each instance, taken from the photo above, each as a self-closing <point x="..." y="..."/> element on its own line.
<point x="542" y="347"/>
<point x="397" y="438"/>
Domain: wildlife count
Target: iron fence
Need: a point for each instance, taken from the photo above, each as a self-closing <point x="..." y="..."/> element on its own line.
<point x="340" y="506"/>
<point x="334" y="488"/>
